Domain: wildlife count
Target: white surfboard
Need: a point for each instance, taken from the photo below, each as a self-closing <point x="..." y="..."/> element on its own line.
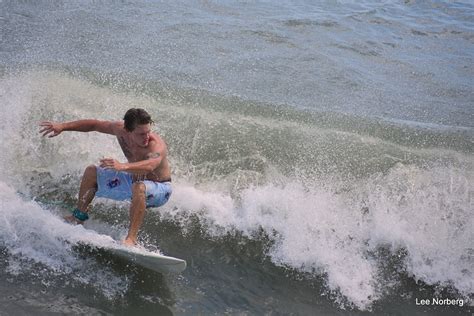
<point x="151" y="260"/>
<point x="140" y="256"/>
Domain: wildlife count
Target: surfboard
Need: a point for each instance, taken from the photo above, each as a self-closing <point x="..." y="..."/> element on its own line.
<point x="151" y="260"/>
<point x="147" y="259"/>
<point x="139" y="255"/>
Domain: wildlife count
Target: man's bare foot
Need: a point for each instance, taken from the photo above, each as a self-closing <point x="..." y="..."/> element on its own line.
<point x="129" y="242"/>
<point x="72" y="220"/>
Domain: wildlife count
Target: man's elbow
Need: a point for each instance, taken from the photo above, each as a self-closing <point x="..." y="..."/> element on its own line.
<point x="152" y="166"/>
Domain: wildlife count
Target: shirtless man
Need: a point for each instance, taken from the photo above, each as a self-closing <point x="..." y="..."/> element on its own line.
<point x="145" y="179"/>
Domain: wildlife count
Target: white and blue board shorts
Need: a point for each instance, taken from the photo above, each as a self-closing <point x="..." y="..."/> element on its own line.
<point x="117" y="185"/>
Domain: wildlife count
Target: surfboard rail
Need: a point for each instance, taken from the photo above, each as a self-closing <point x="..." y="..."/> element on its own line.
<point x="150" y="260"/>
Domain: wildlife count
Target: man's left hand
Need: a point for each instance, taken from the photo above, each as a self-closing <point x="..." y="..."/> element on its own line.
<point x="110" y="163"/>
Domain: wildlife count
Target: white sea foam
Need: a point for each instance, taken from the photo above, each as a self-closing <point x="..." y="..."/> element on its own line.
<point x="314" y="231"/>
<point x="32" y="234"/>
<point x="428" y="213"/>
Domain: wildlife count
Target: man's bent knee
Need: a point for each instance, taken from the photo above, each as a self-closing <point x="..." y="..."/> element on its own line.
<point x="91" y="170"/>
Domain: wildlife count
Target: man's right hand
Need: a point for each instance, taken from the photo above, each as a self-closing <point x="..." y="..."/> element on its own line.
<point x="51" y="129"/>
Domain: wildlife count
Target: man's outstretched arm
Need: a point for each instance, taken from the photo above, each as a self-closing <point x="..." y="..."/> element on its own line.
<point x="53" y="129"/>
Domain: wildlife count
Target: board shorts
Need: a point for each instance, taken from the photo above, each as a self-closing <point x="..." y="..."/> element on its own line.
<point x="117" y="185"/>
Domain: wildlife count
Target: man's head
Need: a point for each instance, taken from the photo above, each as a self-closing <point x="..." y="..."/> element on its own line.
<point x="137" y="122"/>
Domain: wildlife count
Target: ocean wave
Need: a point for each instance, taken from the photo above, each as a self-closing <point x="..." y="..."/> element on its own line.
<point x="424" y="214"/>
<point x="329" y="196"/>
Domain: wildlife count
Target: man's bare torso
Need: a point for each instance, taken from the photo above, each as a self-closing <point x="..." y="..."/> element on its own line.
<point x="135" y="153"/>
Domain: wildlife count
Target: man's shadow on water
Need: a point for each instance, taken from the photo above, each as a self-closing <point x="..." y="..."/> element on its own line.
<point x="148" y="292"/>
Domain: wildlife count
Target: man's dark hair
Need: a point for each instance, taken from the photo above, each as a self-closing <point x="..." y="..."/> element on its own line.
<point x="135" y="117"/>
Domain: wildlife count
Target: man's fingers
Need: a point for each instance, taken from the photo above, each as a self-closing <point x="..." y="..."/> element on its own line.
<point x="45" y="128"/>
<point x="48" y="131"/>
<point x="107" y="163"/>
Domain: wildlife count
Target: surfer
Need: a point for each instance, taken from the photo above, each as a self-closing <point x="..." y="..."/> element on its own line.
<point x="145" y="179"/>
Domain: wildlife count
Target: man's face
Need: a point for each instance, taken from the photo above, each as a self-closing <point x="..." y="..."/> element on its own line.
<point x="141" y="135"/>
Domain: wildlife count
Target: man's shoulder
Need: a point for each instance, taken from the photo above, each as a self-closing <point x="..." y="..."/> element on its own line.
<point x="156" y="142"/>
<point x="117" y="127"/>
<point x="155" y="137"/>
<point x="117" y="124"/>
<point x="109" y="127"/>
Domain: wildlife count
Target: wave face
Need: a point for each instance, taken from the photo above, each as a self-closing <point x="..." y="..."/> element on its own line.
<point x="322" y="154"/>
<point x="355" y="209"/>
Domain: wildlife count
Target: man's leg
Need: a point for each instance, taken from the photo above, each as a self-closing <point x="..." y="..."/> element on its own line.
<point x="137" y="212"/>
<point x="87" y="191"/>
